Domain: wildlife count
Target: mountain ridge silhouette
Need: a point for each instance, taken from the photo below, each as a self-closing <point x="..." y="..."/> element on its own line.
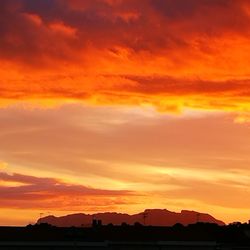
<point x="153" y="217"/>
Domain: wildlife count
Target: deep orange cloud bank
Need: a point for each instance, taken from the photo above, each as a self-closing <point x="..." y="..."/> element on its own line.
<point x="171" y="54"/>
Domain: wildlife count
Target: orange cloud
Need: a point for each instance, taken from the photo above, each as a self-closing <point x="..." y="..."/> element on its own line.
<point x="168" y="54"/>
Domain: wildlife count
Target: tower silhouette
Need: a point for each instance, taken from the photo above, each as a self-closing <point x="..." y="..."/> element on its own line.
<point x="144" y="215"/>
<point x="198" y="217"/>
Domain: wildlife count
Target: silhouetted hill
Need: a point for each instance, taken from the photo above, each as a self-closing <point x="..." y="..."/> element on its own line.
<point x="154" y="217"/>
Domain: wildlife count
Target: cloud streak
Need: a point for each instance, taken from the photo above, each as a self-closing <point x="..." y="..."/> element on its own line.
<point x="48" y="193"/>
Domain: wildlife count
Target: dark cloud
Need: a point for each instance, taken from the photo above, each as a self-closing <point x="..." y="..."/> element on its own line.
<point x="159" y="24"/>
<point x="169" y="85"/>
<point x="178" y="9"/>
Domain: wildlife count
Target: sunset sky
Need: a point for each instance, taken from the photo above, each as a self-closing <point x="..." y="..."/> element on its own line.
<point x="123" y="105"/>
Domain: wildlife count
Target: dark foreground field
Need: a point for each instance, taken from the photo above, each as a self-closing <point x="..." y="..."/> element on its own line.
<point x="114" y="245"/>
<point x="197" y="236"/>
<point x="160" y="245"/>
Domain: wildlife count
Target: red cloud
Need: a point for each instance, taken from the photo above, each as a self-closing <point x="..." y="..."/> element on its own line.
<point x="42" y="193"/>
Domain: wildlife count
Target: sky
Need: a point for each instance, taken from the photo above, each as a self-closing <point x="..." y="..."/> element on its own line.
<point x="123" y="105"/>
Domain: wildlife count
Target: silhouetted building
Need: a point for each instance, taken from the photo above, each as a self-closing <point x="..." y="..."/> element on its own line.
<point x="96" y="223"/>
<point x="99" y="223"/>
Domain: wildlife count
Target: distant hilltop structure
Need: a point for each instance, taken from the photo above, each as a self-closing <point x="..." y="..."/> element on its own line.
<point x="153" y="217"/>
<point x="96" y="223"/>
